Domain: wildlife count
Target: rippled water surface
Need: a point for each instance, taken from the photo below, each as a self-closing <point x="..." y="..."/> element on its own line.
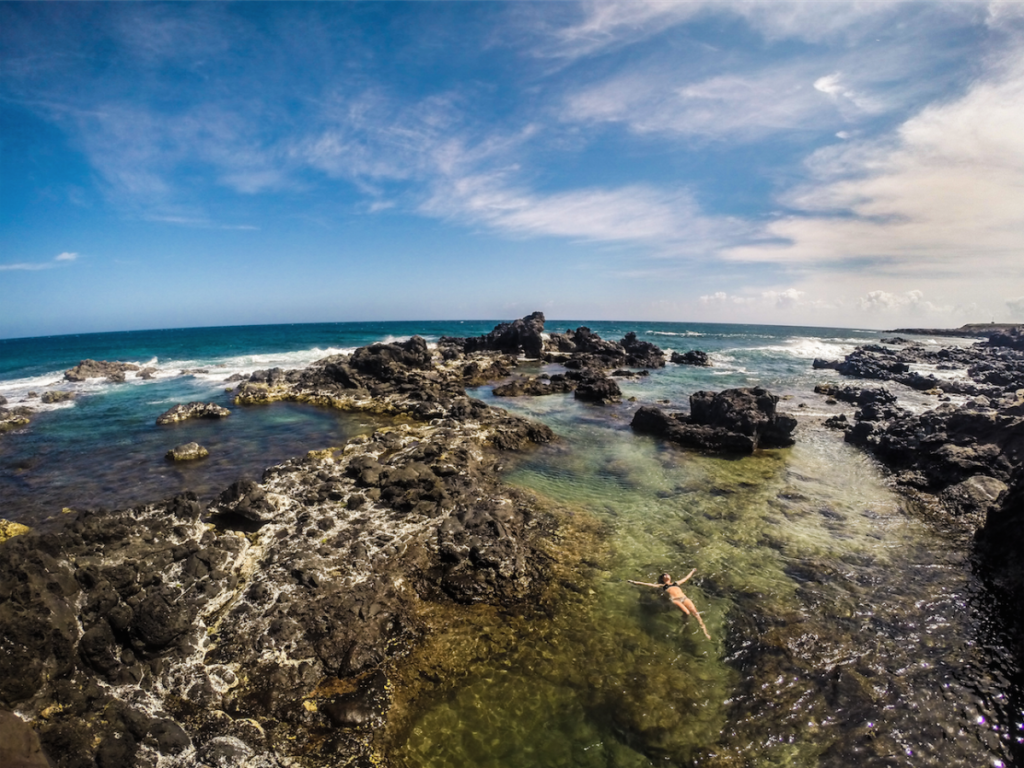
<point x="844" y="631"/>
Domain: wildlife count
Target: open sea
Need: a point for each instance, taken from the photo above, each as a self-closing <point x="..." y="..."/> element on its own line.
<point x="845" y="631"/>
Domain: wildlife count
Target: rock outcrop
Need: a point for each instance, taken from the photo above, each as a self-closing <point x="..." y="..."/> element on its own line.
<point x="520" y="337"/>
<point x="735" y="420"/>
<point x="693" y="357"/>
<point x="56" y="396"/>
<point x="13" y="418"/>
<point x="183" y="412"/>
<point x="99" y="369"/>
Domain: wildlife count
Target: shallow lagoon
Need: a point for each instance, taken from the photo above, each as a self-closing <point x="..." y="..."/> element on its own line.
<point x="845" y="631"/>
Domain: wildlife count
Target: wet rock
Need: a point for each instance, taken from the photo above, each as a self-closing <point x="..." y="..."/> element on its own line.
<point x="56" y="396"/>
<point x="182" y="412"/>
<point x="19" y="744"/>
<point x="693" y="357"/>
<point x="595" y="388"/>
<point x="736" y="420"/>
<point x="187" y="452"/>
<point x="99" y="369"/>
<point x="146" y="373"/>
<point x="13" y="418"/>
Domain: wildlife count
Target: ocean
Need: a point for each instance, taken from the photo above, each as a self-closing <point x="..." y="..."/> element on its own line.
<point x="845" y="630"/>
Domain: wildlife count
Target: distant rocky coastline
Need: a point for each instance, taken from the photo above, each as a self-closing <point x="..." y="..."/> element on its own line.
<point x="963" y="463"/>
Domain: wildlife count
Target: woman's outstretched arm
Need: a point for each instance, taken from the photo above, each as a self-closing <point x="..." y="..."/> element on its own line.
<point x="687" y="577"/>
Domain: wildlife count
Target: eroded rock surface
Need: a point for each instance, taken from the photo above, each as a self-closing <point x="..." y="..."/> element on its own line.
<point x="734" y="420"/>
<point x="265" y="629"/>
<point x="183" y="412"/>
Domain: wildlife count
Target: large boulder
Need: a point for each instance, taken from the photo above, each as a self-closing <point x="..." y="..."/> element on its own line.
<point x="735" y="420"/>
<point x="520" y="337"/>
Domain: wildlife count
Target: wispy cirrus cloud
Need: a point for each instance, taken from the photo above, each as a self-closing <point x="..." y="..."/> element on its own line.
<point x="61" y="258"/>
<point x="610" y="24"/>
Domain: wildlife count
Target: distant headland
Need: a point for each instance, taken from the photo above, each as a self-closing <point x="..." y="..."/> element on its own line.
<point x="981" y="330"/>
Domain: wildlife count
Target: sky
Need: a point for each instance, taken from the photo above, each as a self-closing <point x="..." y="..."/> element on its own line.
<point x="854" y="165"/>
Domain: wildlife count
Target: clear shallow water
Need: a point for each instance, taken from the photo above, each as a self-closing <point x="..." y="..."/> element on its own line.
<point x="844" y="631"/>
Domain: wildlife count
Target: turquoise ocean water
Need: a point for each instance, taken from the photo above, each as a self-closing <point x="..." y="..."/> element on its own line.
<point x="845" y="631"/>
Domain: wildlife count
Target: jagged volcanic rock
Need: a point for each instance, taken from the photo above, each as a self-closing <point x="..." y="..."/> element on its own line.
<point x="735" y="420"/>
<point x="520" y="337"/>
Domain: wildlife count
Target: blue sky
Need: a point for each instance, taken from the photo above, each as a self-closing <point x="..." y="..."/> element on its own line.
<point x="819" y="163"/>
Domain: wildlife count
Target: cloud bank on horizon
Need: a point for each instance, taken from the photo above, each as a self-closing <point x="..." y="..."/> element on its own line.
<point x="817" y="163"/>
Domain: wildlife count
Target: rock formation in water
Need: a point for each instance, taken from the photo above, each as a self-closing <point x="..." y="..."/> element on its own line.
<point x="735" y="420"/>
<point x="182" y="412"/>
<point x="265" y="629"/>
<point x="187" y="452"/>
<point x="13" y="418"/>
<point x="693" y="357"/>
<point x="99" y="369"/>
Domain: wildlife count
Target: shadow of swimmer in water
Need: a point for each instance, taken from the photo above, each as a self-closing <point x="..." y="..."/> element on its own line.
<point x="676" y="595"/>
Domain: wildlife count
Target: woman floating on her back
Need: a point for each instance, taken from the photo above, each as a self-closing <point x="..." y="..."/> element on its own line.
<point x="677" y="596"/>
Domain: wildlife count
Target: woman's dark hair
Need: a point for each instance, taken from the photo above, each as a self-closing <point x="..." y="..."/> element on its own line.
<point x="665" y="576"/>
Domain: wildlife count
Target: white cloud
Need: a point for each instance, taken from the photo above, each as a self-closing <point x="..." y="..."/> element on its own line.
<point x="24" y="266"/>
<point x="944" y="191"/>
<point x="614" y="23"/>
<point x="1016" y="307"/>
<point x="67" y="256"/>
<point x="746" y="105"/>
<point x="636" y="213"/>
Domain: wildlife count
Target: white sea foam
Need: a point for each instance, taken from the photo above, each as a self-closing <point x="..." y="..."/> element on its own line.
<point x="807" y="348"/>
<point x="673" y="333"/>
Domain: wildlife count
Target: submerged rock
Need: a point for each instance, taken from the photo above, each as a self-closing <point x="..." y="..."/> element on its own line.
<point x="182" y="412"/>
<point x="735" y="420"/>
<point x="187" y="452"/>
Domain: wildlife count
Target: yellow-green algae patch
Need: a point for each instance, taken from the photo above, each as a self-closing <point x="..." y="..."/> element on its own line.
<point x="10" y="529"/>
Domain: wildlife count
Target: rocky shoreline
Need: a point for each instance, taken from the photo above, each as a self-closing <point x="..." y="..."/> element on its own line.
<point x="963" y="462"/>
<point x="269" y="626"/>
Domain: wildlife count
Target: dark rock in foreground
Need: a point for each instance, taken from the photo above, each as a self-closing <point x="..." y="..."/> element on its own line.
<point x="182" y="412"/>
<point x="735" y="420"/>
<point x="99" y="369"/>
<point x="143" y="635"/>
